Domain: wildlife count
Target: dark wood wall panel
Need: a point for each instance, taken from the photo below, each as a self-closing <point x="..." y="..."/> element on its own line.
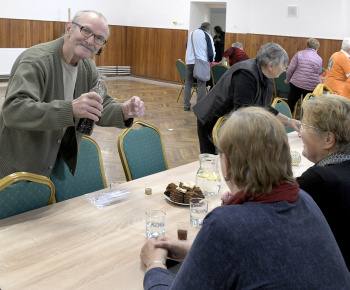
<point x="150" y="52"/>
<point x="252" y="42"/>
<point x="153" y="51"/>
<point x="115" y="51"/>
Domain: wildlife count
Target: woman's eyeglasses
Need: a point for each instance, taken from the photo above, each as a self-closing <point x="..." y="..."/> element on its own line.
<point x="303" y="126"/>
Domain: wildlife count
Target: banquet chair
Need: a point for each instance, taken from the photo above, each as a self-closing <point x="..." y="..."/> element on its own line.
<point x="322" y="89"/>
<point x="280" y="87"/>
<point x="141" y="150"/>
<point x="281" y="106"/>
<point x="89" y="174"/>
<point x="217" y="71"/>
<point x="217" y="128"/>
<point x="181" y="68"/>
<point x="22" y="191"/>
<point x="309" y="96"/>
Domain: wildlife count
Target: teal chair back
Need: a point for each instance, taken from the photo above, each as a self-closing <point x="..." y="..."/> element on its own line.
<point x="281" y="88"/>
<point x="141" y="151"/>
<point x="282" y="107"/>
<point x="217" y="71"/>
<point x="89" y="174"/>
<point x="21" y="192"/>
<point x="181" y="68"/>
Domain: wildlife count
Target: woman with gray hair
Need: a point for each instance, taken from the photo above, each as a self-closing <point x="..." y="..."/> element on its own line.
<point x="247" y="83"/>
<point x="269" y="235"/>
<point x="303" y="72"/>
<point x="325" y="132"/>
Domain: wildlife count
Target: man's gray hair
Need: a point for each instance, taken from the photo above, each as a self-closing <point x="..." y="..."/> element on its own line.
<point x="237" y="44"/>
<point x="80" y="13"/>
<point x="272" y="52"/>
<point x="346" y="44"/>
<point x="205" y="25"/>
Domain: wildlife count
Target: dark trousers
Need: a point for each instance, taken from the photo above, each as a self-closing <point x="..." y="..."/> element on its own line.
<point x="294" y="95"/>
<point x="206" y="144"/>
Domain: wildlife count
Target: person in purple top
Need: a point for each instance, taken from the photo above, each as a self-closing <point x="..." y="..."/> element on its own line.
<point x="303" y="72"/>
<point x="269" y="234"/>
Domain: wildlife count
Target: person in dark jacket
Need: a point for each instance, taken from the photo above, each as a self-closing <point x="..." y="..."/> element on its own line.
<point x="269" y="235"/>
<point x="325" y="132"/>
<point x="219" y="43"/>
<point x="246" y="83"/>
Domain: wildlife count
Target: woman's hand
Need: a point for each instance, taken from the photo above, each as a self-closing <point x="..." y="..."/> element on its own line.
<point x="150" y="253"/>
<point x="176" y="249"/>
<point x="225" y="197"/>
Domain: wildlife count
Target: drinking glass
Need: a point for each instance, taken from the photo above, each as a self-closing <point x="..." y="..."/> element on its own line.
<point x="155" y="223"/>
<point x="182" y="231"/>
<point x="198" y="211"/>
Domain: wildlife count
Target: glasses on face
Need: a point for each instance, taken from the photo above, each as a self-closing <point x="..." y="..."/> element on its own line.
<point x="100" y="40"/>
<point x="303" y="126"/>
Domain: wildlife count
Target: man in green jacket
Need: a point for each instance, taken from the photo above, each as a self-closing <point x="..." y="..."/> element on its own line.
<point x="49" y="91"/>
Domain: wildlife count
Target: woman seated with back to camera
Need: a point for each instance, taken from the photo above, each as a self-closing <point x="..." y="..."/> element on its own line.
<point x="269" y="234"/>
<point x="325" y="132"/>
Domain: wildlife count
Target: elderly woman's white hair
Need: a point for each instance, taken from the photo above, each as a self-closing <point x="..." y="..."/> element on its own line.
<point x="274" y="53"/>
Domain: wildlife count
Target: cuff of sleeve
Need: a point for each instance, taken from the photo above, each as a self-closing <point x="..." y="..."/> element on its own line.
<point x="158" y="277"/>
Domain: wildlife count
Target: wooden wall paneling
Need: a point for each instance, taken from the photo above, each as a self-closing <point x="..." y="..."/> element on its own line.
<point x="252" y="42"/>
<point x="151" y="52"/>
<point x="114" y="53"/>
<point x="154" y="51"/>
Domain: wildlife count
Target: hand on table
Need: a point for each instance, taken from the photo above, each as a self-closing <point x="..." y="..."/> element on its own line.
<point x="133" y="108"/>
<point x="176" y="249"/>
<point x="150" y="253"/>
<point x="88" y="105"/>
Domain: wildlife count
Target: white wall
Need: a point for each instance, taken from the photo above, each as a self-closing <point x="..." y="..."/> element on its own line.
<point x="317" y="18"/>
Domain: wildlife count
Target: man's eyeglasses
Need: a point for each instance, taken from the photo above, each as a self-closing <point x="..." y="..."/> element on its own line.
<point x="100" y="40"/>
<point x="303" y="126"/>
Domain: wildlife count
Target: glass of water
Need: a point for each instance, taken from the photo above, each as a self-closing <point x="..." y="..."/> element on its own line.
<point x="198" y="211"/>
<point x="155" y="223"/>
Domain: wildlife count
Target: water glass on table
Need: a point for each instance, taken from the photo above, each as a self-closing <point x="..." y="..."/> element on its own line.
<point x="198" y="211"/>
<point x="155" y="223"/>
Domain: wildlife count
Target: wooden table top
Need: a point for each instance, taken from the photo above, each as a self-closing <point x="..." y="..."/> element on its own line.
<point x="73" y="245"/>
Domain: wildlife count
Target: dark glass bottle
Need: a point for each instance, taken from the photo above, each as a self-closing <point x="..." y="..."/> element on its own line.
<point x="86" y="125"/>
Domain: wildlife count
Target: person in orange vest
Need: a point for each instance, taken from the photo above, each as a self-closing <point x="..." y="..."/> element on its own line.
<point x="338" y="69"/>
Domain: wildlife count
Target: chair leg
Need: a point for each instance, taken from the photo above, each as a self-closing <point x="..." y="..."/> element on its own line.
<point x="194" y="90"/>
<point x="179" y="94"/>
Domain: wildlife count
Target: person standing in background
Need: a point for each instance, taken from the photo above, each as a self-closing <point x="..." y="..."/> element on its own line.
<point x="204" y="48"/>
<point x="219" y="43"/>
<point x="235" y="54"/>
<point x="247" y="83"/>
<point x="338" y="70"/>
<point x="303" y="72"/>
